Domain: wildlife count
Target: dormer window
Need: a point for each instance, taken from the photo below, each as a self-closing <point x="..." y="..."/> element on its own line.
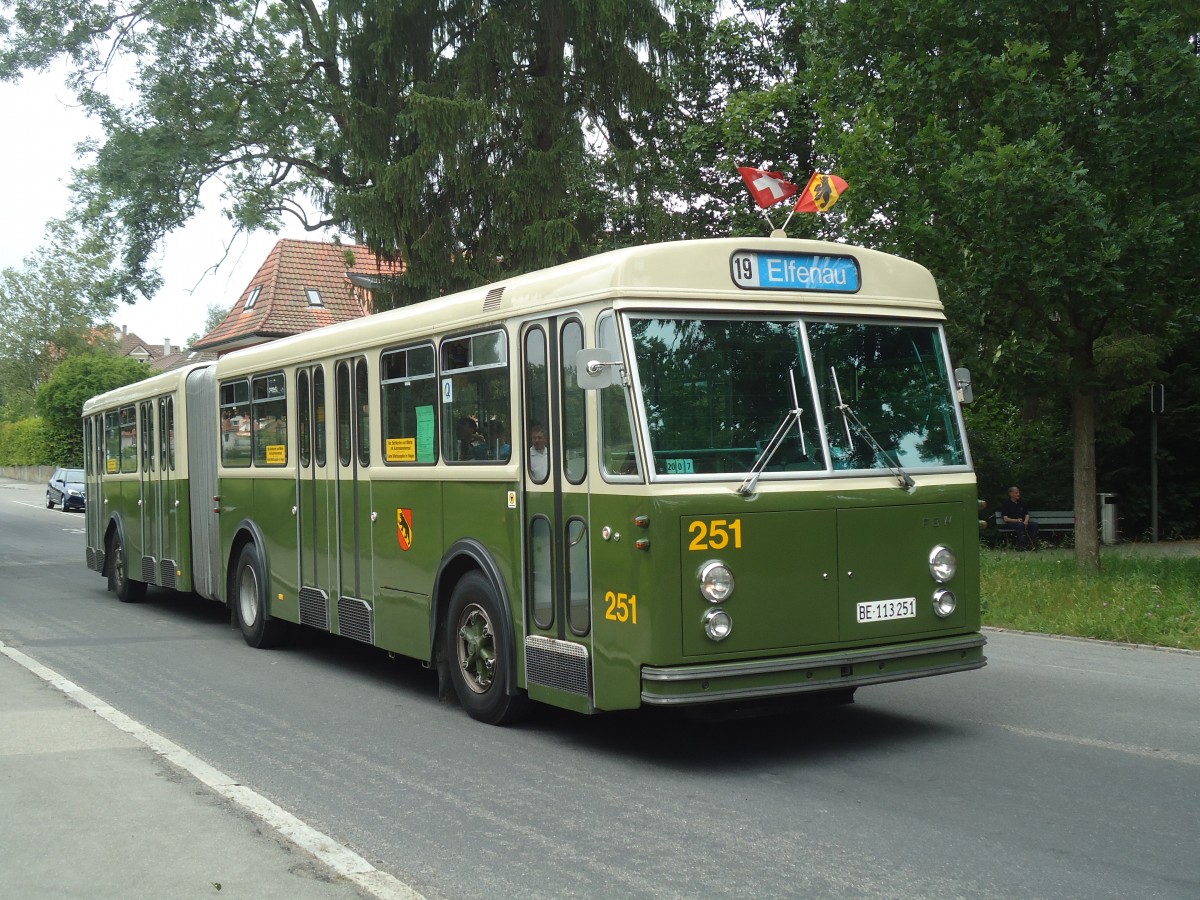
<point x="253" y="298"/>
<point x="314" y="297"/>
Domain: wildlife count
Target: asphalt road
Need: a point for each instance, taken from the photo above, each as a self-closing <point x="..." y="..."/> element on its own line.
<point x="1064" y="769"/>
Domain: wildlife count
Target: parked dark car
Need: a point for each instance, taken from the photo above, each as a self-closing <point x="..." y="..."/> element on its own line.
<point x="66" y="490"/>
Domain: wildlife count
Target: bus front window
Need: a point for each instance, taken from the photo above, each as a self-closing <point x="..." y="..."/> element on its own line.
<point x="895" y="405"/>
<point x="716" y="390"/>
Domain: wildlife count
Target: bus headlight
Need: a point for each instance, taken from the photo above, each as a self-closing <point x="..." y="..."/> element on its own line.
<point x="717" y="624"/>
<point x="716" y="581"/>
<point x="944" y="602"/>
<point x="942" y="563"/>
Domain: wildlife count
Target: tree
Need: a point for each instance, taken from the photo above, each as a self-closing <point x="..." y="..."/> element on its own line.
<point x="1044" y="161"/>
<point x="214" y="315"/>
<point x="49" y="309"/>
<point x="77" y="379"/>
<point x="463" y="137"/>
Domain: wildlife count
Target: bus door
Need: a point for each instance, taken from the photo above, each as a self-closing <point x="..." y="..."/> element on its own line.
<point x="558" y="641"/>
<point x="170" y="495"/>
<point x="314" y="496"/>
<point x="150" y="499"/>
<point x="353" y="615"/>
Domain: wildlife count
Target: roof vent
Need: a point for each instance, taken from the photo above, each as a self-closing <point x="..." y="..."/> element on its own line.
<point x="492" y="300"/>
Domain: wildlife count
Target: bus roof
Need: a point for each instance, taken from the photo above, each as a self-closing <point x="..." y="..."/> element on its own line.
<point x="140" y="390"/>
<point x="696" y="271"/>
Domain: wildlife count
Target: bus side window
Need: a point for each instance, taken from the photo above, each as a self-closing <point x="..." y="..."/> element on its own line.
<point x="574" y="428"/>
<point x="128" y="440"/>
<point x="618" y="455"/>
<point x="476" y="406"/>
<point x="409" y="395"/>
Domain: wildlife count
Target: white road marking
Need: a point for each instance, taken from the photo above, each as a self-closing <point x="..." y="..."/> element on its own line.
<point x="344" y="861"/>
<point x="1190" y="759"/>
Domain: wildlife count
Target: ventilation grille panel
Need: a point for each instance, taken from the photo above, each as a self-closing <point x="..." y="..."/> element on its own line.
<point x="355" y="620"/>
<point x="314" y="608"/>
<point x="557" y="664"/>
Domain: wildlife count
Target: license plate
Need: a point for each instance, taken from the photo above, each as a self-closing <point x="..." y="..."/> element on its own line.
<point x="885" y="610"/>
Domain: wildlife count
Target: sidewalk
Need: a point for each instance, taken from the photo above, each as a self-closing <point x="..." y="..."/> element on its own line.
<point x="91" y="811"/>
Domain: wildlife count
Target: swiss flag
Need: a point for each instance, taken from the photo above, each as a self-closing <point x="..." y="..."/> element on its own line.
<point x="767" y="188"/>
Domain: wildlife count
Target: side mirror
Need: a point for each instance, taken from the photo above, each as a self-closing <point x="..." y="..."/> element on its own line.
<point x="594" y="368"/>
<point x="962" y="381"/>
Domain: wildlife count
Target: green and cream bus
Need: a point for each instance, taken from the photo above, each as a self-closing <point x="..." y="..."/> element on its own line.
<point x="688" y="473"/>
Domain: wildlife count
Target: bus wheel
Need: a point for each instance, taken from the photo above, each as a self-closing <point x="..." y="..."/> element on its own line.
<point x="250" y="602"/>
<point x="475" y="652"/>
<point x="119" y="582"/>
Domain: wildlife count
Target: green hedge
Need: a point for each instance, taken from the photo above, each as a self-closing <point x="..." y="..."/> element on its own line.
<point x="31" y="442"/>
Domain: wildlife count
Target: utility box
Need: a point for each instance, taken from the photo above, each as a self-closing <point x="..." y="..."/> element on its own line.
<point x="1108" y="518"/>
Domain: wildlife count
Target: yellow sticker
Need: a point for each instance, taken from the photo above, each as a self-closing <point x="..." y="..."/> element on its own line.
<point x="276" y="454"/>
<point x="401" y="450"/>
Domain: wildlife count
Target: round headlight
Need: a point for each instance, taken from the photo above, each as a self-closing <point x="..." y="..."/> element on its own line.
<point x="716" y="581"/>
<point x="944" y="602"/>
<point x="942" y="564"/>
<point x="717" y="624"/>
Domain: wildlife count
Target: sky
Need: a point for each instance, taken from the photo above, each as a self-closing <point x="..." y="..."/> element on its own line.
<point x="43" y="124"/>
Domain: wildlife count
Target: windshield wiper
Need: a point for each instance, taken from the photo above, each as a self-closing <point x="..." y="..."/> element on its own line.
<point x="848" y="417"/>
<point x="776" y="441"/>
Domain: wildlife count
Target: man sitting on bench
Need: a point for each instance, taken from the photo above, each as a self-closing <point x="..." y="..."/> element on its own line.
<point x="1016" y="516"/>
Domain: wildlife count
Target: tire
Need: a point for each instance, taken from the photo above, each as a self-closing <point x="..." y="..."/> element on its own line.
<point x="476" y="648"/>
<point x="49" y="502"/>
<point x="119" y="582"/>
<point x="249" y="596"/>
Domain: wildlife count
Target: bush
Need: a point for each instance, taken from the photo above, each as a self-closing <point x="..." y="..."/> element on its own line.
<point x="29" y="442"/>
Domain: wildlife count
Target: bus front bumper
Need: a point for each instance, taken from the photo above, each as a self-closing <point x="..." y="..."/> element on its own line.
<point x="783" y="676"/>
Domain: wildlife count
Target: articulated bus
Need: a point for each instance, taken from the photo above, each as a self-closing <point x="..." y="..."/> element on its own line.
<point x="698" y="472"/>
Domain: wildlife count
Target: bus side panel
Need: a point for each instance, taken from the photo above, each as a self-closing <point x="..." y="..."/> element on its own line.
<point x="274" y="500"/>
<point x="407" y="544"/>
<point x="203" y="445"/>
<point x="634" y="596"/>
<point x="479" y="510"/>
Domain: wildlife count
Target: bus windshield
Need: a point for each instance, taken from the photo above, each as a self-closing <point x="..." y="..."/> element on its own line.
<point x="716" y="389"/>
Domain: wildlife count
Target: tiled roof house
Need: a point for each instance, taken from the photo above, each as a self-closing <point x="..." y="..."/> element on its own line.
<point x="160" y="358"/>
<point x="302" y="285"/>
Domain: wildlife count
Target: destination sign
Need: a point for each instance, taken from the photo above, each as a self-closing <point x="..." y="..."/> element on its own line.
<point x="794" y="272"/>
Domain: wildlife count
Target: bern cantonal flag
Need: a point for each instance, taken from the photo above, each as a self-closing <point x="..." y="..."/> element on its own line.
<point x="821" y="192"/>
<point x="767" y="188"/>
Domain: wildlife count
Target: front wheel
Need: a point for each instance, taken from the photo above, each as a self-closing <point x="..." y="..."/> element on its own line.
<point x="250" y="602"/>
<point x="119" y="582"/>
<point x="475" y="647"/>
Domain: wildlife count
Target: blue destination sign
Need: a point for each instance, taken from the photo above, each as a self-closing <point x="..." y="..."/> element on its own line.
<point x="794" y="272"/>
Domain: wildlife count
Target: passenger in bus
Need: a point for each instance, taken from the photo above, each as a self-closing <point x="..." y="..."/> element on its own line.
<point x="471" y="443"/>
<point x="539" y="454"/>
<point x="499" y="446"/>
<point x="1016" y="516"/>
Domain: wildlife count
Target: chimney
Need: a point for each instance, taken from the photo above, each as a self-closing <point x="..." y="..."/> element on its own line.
<point x="124" y="331"/>
<point x="166" y="346"/>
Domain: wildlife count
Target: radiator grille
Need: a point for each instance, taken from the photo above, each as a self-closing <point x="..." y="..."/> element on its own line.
<point x="314" y="608"/>
<point x="355" y="620"/>
<point x="149" y="570"/>
<point x="166" y="571"/>
<point x="557" y="664"/>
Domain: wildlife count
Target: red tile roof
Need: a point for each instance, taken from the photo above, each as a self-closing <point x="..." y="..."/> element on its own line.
<point x="282" y="306"/>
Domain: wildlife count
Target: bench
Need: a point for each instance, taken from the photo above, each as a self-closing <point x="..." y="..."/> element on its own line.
<point x="1055" y="522"/>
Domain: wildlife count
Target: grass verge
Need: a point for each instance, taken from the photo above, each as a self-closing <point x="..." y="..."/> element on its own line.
<point x="1138" y="600"/>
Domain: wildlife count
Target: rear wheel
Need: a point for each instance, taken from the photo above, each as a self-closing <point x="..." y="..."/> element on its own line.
<point x="119" y="582"/>
<point x="476" y="651"/>
<point x="250" y="602"/>
<point x="49" y="502"/>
